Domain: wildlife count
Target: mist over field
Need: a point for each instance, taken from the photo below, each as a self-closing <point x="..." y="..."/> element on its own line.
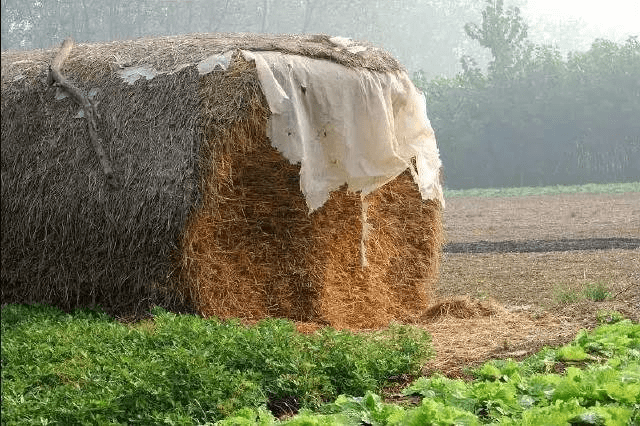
<point x="507" y="110"/>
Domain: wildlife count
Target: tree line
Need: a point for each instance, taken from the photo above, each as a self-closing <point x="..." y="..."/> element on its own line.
<point x="535" y="117"/>
<point x="517" y="113"/>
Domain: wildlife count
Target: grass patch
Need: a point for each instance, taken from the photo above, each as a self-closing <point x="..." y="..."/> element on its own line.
<point x="591" y="188"/>
<point x="597" y="292"/>
<point x="608" y="316"/>
<point x="87" y="368"/>
<point x="566" y="295"/>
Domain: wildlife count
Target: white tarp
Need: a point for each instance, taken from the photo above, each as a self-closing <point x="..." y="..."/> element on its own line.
<point x="346" y="125"/>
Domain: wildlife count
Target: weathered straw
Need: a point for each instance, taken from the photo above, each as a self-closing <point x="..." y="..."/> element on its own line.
<point x="210" y="217"/>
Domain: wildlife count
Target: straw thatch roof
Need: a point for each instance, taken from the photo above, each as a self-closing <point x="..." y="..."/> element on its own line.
<point x="206" y="216"/>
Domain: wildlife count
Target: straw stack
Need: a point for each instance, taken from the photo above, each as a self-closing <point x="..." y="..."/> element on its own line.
<point x="208" y="217"/>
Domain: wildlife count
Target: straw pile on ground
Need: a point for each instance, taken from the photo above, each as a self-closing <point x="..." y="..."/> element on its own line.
<point x="208" y="216"/>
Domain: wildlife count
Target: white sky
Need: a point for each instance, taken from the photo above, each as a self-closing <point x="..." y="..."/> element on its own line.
<point x="613" y="17"/>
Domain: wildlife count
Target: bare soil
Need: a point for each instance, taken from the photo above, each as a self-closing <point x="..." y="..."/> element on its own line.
<point x="543" y="217"/>
<point x="509" y="261"/>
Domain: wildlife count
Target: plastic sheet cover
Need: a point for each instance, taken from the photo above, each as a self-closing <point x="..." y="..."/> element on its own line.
<point x="345" y="125"/>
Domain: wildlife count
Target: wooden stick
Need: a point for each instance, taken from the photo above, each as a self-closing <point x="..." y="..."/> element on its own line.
<point x="56" y="79"/>
<point x="622" y="291"/>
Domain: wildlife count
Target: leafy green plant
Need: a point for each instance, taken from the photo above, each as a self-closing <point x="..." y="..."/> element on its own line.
<point x="608" y="317"/>
<point x="180" y="369"/>
<point x="450" y="392"/>
<point x="572" y="353"/>
<point x="432" y="413"/>
<point x="87" y="368"/>
<point x="531" y="393"/>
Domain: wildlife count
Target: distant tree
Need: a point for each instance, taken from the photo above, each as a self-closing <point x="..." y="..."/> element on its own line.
<point x="555" y="121"/>
<point x="503" y="32"/>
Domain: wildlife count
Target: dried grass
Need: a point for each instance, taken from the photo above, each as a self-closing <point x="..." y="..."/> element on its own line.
<point x="210" y="217"/>
<point x="252" y="251"/>
<point x="467" y="333"/>
<point x="462" y="308"/>
<point x="97" y="61"/>
<point x="66" y="239"/>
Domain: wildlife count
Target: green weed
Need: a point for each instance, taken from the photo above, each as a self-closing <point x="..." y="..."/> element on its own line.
<point x="608" y="317"/>
<point x="597" y="292"/>
<point x="565" y="295"/>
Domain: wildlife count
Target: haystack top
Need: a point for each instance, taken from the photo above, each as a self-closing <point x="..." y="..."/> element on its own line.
<point x="165" y="54"/>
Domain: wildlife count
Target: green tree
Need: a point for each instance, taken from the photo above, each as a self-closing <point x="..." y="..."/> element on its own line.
<point x="504" y="32"/>
<point x="556" y="121"/>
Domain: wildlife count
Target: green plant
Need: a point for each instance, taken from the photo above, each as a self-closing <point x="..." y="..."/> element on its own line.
<point x="597" y="292"/>
<point x="572" y="353"/>
<point x="531" y="393"/>
<point x="608" y="317"/>
<point x="566" y="295"/>
<point x="86" y="367"/>
<point x="181" y="369"/>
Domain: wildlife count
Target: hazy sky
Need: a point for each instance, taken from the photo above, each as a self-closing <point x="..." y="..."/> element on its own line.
<point x="613" y="18"/>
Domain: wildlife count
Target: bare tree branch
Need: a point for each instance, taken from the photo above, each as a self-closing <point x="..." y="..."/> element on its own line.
<point x="56" y="79"/>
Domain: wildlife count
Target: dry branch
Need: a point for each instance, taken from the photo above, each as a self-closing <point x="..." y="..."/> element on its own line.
<point x="56" y="79"/>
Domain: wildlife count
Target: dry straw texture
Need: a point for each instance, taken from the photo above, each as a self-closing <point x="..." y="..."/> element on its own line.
<point x="210" y="217"/>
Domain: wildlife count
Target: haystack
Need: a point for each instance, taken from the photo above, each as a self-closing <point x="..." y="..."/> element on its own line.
<point x="179" y="198"/>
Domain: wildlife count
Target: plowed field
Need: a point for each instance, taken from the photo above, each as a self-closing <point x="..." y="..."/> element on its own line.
<point x="511" y="263"/>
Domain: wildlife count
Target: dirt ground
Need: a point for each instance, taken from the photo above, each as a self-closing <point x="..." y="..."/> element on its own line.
<point x="508" y="262"/>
